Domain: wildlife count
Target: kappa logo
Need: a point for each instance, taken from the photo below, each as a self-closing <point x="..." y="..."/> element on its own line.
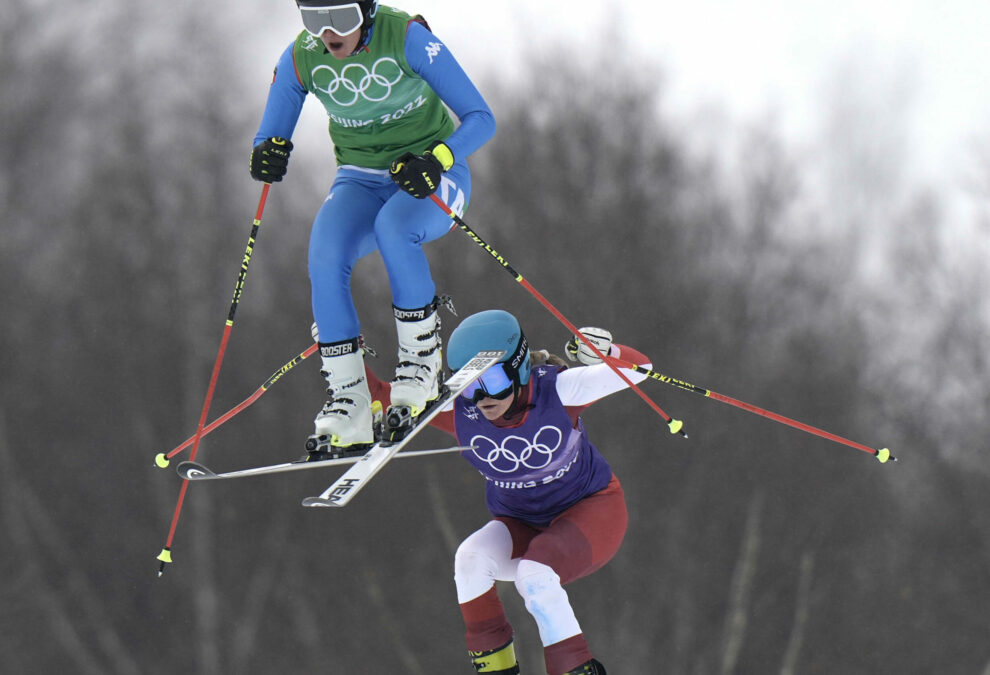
<point x="433" y="49"/>
<point x="516" y="451"/>
<point x="355" y="81"/>
<point x="312" y="43"/>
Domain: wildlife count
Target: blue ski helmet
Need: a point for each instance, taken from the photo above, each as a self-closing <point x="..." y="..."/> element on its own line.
<point x="340" y="16"/>
<point x="490" y="330"/>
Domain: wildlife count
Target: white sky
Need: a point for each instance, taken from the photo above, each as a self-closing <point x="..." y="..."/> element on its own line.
<point x="749" y="56"/>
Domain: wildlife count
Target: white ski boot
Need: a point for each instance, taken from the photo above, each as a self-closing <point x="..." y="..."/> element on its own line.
<point x="345" y="425"/>
<point x="417" y="376"/>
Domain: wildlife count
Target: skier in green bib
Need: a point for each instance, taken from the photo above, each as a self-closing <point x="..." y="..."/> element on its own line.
<point x="386" y="83"/>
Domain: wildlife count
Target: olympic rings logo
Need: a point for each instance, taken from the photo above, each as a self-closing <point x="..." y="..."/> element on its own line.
<point x="355" y="81"/>
<point x="516" y="451"/>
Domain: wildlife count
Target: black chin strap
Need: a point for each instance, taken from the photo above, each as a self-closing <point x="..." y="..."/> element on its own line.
<point x="515" y="410"/>
<point x="365" y="38"/>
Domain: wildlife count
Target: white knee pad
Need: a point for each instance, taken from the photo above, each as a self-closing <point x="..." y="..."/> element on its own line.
<point x="547" y="601"/>
<point x="481" y="559"/>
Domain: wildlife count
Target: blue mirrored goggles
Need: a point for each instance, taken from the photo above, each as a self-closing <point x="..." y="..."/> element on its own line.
<point x="496" y="382"/>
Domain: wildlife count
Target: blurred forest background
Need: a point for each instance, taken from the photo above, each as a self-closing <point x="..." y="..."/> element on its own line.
<point x="817" y="282"/>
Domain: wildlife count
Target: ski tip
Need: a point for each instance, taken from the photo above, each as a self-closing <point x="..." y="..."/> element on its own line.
<point x="194" y="471"/>
<point x="318" y="502"/>
<point x="884" y="456"/>
<point x="162" y="461"/>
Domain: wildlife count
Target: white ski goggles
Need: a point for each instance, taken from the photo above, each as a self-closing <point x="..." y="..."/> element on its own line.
<point x="341" y="19"/>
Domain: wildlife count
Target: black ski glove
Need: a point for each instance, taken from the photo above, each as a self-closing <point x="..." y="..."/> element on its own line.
<point x="270" y="160"/>
<point x="419" y="175"/>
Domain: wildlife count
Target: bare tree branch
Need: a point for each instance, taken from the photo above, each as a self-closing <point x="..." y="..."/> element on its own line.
<point x="26" y="516"/>
<point x="258" y="595"/>
<point x="742" y="586"/>
<point x="206" y="601"/>
<point x="306" y="621"/>
<point x="441" y="514"/>
<point x="801" y="612"/>
<point x="392" y="625"/>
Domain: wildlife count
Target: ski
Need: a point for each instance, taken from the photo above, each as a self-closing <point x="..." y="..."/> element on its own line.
<point x="344" y="488"/>
<point x="197" y="471"/>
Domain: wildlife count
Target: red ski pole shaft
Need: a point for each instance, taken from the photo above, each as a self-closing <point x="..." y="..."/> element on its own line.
<point x="162" y="459"/>
<point x="675" y="426"/>
<point x="882" y="454"/>
<point x="166" y="555"/>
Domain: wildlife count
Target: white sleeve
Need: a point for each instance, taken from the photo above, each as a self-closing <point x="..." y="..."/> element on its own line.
<point x="585" y="385"/>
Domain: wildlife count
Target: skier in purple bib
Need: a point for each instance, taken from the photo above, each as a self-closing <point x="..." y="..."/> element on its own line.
<point x="558" y="511"/>
<point x="388" y="86"/>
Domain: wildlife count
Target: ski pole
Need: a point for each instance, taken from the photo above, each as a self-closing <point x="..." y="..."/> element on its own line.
<point x="675" y="426"/>
<point x="162" y="459"/>
<point x="166" y="555"/>
<point x="882" y="454"/>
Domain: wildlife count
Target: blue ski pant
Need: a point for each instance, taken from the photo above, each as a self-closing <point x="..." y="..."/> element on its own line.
<point x="365" y="211"/>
